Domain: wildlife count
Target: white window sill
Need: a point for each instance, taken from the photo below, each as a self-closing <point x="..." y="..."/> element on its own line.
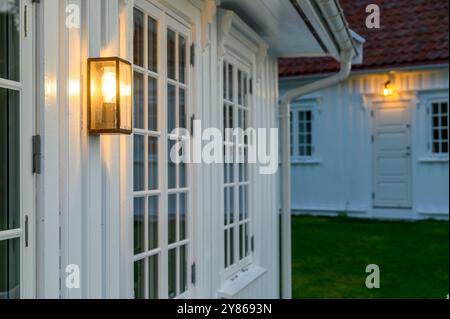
<point x="306" y="161"/>
<point x="240" y="281"/>
<point x="433" y="159"/>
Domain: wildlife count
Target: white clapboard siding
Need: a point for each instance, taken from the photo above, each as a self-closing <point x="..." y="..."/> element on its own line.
<point x="85" y="192"/>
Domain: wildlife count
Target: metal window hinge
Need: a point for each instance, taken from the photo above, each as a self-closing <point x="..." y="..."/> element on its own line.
<point x="36" y="154"/>
<point x="252" y="243"/>
<point x="193" y="274"/>
<point x="26" y="231"/>
<point x="193" y="54"/>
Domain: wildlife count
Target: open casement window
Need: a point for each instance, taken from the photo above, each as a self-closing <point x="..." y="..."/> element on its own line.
<point x="302" y="131"/>
<point x="16" y="129"/>
<point x="237" y="217"/>
<point x="438" y="110"/>
<point x="162" y="210"/>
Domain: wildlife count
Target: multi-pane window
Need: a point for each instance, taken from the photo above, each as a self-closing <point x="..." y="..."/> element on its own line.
<point x="177" y="88"/>
<point x="161" y="194"/>
<point x="147" y="140"/>
<point x="439" y="127"/>
<point x="236" y="97"/>
<point x="11" y="88"/>
<point x="301" y="130"/>
<point x="305" y="133"/>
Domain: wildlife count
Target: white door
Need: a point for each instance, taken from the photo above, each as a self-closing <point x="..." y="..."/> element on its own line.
<point x="163" y="228"/>
<point x="392" y="155"/>
<point x="16" y="176"/>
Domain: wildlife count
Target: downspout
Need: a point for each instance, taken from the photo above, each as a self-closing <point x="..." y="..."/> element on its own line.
<point x="333" y="14"/>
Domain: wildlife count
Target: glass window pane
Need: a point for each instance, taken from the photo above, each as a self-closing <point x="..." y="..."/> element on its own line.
<point x="172" y="169"/>
<point x="231" y="216"/>
<point x="153" y="274"/>
<point x="139" y="277"/>
<point x="226" y="205"/>
<point x="183" y="173"/>
<point x="152" y="104"/>
<point x="444" y="134"/>
<point x="247" y="240"/>
<point x="182" y="57"/>
<point x="138" y="163"/>
<point x="444" y="121"/>
<point x="230" y="82"/>
<point x="435" y="108"/>
<point x="138" y="39"/>
<point x="182" y="110"/>
<point x="231" y="246"/>
<point x="183" y="269"/>
<point x="138" y="118"/>
<point x="241" y="241"/>
<point x="171" y="109"/>
<point x="152" y="45"/>
<point x="171" y="61"/>
<point x="444" y="108"/>
<point x="172" y="273"/>
<point x="10" y="269"/>
<point x="445" y="147"/>
<point x="172" y="218"/>
<point x="153" y="209"/>
<point x="10" y="159"/>
<point x="226" y="248"/>
<point x="240" y="91"/>
<point x="436" y="121"/>
<point x="139" y="226"/>
<point x="152" y="163"/>
<point x="183" y="219"/>
<point x="225" y="81"/>
<point x="9" y="40"/>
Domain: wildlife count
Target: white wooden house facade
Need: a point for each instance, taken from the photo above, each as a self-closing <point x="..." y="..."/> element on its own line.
<point x="109" y="216"/>
<point x="376" y="144"/>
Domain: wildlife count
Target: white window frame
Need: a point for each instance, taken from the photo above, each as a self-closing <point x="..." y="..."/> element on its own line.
<point x="238" y="264"/>
<point x="166" y="20"/>
<point x="430" y="101"/>
<point x="296" y="108"/>
<point x="24" y="86"/>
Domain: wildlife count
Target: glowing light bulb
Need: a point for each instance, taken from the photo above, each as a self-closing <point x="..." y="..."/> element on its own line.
<point x="109" y="86"/>
<point x="386" y="92"/>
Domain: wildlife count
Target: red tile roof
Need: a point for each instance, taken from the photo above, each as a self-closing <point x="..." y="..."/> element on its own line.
<point x="413" y="32"/>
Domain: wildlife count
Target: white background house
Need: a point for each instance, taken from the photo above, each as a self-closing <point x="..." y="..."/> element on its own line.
<point x="368" y="153"/>
<point x="111" y="208"/>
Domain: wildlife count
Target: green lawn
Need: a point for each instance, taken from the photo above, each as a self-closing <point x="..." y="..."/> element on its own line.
<point x="330" y="256"/>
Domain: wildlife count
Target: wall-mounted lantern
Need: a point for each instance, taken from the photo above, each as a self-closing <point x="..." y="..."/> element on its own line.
<point x="109" y="96"/>
<point x="387" y="89"/>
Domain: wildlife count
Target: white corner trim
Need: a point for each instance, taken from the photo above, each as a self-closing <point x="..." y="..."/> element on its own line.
<point x="240" y="281"/>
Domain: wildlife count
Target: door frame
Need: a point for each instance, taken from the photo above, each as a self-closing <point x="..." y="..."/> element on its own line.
<point x="370" y="102"/>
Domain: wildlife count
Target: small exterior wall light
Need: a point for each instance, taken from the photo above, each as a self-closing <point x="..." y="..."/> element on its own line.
<point x="387" y="89"/>
<point x="109" y="96"/>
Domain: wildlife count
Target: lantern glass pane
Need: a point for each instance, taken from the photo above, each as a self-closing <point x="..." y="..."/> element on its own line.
<point x="103" y="95"/>
<point x="125" y="96"/>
